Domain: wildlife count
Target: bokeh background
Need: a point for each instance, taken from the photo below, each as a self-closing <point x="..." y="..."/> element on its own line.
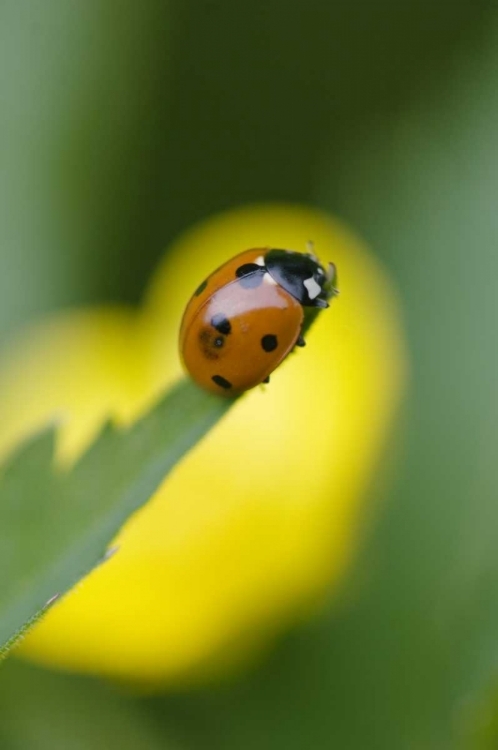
<point x="124" y="123"/>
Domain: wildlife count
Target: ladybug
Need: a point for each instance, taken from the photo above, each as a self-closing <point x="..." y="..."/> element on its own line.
<point x="245" y="318"/>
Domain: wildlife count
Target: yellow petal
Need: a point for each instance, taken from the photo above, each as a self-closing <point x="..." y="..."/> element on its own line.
<point x="263" y="516"/>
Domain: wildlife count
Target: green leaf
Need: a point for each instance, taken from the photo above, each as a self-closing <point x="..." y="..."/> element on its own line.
<point x="55" y="526"/>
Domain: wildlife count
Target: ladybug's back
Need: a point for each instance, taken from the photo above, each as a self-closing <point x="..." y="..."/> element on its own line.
<point x="238" y="326"/>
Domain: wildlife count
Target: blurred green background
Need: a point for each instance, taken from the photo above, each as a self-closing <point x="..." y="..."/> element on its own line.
<point x="123" y="123"/>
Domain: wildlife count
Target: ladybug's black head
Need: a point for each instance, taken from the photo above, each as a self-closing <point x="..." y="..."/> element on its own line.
<point x="301" y="275"/>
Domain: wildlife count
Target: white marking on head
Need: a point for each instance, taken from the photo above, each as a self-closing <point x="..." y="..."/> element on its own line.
<point x="313" y="288"/>
<point x="267" y="279"/>
<point x="260" y="261"/>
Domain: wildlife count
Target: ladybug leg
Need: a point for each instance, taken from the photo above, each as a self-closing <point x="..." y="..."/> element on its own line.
<point x="331" y="271"/>
<point x="331" y="274"/>
<point x="310" y="250"/>
<point x="267" y="379"/>
<point x="299" y="342"/>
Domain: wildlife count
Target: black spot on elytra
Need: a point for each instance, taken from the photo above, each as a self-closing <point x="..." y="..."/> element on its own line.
<point x="250" y="275"/>
<point x="219" y="380"/>
<point x="248" y="268"/>
<point x="221" y="323"/>
<point x="200" y="288"/>
<point x="269" y="342"/>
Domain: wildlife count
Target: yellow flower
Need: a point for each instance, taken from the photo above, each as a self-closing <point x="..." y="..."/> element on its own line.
<point x="260" y="520"/>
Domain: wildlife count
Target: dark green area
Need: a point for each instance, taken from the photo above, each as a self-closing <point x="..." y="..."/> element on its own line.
<point x="125" y="126"/>
<point x="43" y="710"/>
